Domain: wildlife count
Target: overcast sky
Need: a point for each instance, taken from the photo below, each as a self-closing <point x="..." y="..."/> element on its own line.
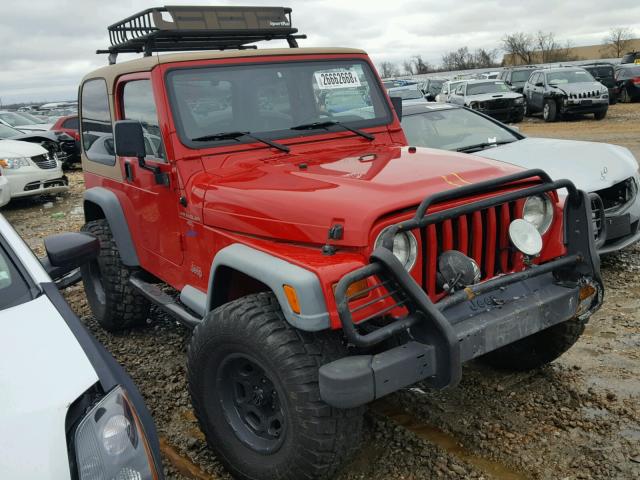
<point x="47" y="46"/>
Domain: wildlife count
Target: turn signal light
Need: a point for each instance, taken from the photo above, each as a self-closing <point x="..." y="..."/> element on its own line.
<point x="292" y="298"/>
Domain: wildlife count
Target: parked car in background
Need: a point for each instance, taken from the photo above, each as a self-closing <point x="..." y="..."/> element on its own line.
<point x="489" y="75"/>
<point x="17" y="120"/>
<point x="605" y="74"/>
<point x="627" y="79"/>
<point x="30" y="169"/>
<point x="610" y="171"/>
<point x="407" y="93"/>
<point x="492" y="97"/>
<point x="447" y="88"/>
<point x="631" y="57"/>
<point x="516" y="77"/>
<point x="563" y="91"/>
<point x="68" y="125"/>
<point x="35" y="117"/>
<point x="58" y="143"/>
<point x="68" y="410"/>
<point x="432" y="87"/>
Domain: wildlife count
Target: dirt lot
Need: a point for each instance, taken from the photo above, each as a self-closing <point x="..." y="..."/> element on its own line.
<point x="578" y="418"/>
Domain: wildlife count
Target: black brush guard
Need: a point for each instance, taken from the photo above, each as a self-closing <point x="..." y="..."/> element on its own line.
<point x="439" y="344"/>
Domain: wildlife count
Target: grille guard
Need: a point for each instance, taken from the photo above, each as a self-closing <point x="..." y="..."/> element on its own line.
<point x="580" y="262"/>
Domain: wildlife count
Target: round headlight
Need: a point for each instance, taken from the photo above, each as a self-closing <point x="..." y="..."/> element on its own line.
<point x="538" y="211"/>
<point x="405" y="247"/>
<point x="525" y="237"/>
<point x="116" y="434"/>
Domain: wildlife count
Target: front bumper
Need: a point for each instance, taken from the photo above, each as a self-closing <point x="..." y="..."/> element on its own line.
<point x="589" y="105"/>
<point x="622" y="227"/>
<point x="504" y="114"/>
<point x="28" y="181"/>
<point x="471" y="322"/>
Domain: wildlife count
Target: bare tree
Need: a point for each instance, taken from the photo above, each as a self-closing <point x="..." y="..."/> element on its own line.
<point x="407" y="66"/>
<point x="420" y="66"/>
<point x="617" y="42"/>
<point x="388" y="70"/>
<point x="460" y="59"/>
<point x="485" y="58"/>
<point x="520" y="46"/>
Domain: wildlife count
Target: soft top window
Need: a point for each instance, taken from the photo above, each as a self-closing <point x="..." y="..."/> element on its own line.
<point x="97" y="133"/>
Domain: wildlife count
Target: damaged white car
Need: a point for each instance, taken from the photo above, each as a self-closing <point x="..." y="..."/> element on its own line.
<point x="609" y="170"/>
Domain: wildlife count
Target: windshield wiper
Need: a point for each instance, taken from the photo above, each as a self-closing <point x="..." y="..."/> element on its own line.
<point x="482" y="146"/>
<point x="236" y="136"/>
<point x="330" y="123"/>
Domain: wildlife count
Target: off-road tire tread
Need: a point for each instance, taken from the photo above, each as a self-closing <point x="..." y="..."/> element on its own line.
<point x="333" y="435"/>
<point x="126" y="308"/>
<point x="536" y="350"/>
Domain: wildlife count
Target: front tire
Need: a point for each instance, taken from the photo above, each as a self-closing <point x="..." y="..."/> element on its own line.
<point x="115" y="304"/>
<point x="550" y="111"/>
<point x="253" y="380"/>
<point x="536" y="350"/>
<point x="600" y="115"/>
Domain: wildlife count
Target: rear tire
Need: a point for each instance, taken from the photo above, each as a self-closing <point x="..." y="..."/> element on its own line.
<point x="550" y="111"/>
<point x="253" y="381"/>
<point x="625" y="97"/>
<point x="600" y="115"/>
<point x="115" y="304"/>
<point x="526" y="112"/>
<point x="536" y="350"/>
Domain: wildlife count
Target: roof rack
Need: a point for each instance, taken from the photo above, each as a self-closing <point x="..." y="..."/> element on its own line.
<point x="195" y="28"/>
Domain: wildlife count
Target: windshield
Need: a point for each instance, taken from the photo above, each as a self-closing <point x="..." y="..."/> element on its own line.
<point x="520" y="76"/>
<point x="14" y="119"/>
<point x="601" y="71"/>
<point x="406" y="93"/>
<point x="435" y="86"/>
<point x="487" y="87"/>
<point x="268" y="100"/>
<point x="8" y="132"/>
<point x="14" y="290"/>
<point x="452" y="129"/>
<point x="629" y="72"/>
<point x="569" y="76"/>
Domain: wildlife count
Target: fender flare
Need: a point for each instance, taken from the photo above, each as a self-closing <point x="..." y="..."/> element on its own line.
<point x="275" y="272"/>
<point x="108" y="202"/>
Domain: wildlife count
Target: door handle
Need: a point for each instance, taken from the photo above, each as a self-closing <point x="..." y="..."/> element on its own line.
<point x="128" y="171"/>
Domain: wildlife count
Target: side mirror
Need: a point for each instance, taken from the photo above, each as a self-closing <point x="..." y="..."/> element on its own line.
<point x="397" y="106"/>
<point x="68" y="251"/>
<point x="129" y="139"/>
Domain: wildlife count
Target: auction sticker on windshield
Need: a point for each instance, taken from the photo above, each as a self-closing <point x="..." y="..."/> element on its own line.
<point x="337" y="79"/>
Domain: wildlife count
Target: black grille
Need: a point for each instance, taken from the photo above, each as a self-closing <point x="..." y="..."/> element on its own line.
<point x="498" y="103"/>
<point x="618" y="195"/>
<point x="44" y="161"/>
<point x="592" y="94"/>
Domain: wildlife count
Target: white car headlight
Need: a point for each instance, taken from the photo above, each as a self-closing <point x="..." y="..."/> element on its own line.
<point x="405" y="247"/>
<point x="538" y="211"/>
<point x="519" y="100"/>
<point x="110" y="442"/>
<point x="15" y="162"/>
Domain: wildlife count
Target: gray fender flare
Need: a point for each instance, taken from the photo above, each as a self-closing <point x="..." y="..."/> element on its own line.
<point x="275" y="272"/>
<point x="110" y="205"/>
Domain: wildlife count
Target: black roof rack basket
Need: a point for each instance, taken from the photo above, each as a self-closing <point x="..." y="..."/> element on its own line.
<point x="191" y="28"/>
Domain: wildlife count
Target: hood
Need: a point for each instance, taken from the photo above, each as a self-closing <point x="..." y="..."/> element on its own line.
<point x="43" y="370"/>
<point x="274" y="197"/>
<point x="35" y="127"/>
<point x="17" y="148"/>
<point x="590" y="166"/>
<point x="491" y="96"/>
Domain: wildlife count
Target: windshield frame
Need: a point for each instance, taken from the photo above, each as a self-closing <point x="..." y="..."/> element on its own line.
<point x="275" y="135"/>
<point x="32" y="291"/>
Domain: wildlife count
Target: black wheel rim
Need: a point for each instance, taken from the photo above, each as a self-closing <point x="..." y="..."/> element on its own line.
<point x="251" y="403"/>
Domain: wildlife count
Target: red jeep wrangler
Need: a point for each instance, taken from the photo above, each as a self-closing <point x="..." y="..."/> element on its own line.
<point x="268" y="199"/>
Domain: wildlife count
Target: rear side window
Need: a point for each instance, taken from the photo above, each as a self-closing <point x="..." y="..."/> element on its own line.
<point x="97" y="130"/>
<point x="71" y="123"/>
<point x="138" y="104"/>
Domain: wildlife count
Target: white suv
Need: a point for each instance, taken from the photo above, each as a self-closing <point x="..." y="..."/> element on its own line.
<point x="67" y="409"/>
<point x="30" y="170"/>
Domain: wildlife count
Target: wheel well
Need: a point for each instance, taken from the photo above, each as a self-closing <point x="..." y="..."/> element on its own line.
<point x="231" y="284"/>
<point x="93" y="211"/>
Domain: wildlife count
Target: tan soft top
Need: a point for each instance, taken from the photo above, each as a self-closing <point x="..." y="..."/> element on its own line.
<point x="145" y="64"/>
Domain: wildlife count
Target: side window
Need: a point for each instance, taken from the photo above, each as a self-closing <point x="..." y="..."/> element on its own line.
<point x="97" y="130"/>
<point x="460" y="90"/>
<point x="71" y="123"/>
<point x="533" y="79"/>
<point x="138" y="104"/>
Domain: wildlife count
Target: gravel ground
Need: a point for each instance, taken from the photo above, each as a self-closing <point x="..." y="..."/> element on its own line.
<point x="578" y="418"/>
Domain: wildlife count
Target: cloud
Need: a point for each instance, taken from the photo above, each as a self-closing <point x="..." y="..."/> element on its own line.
<point x="47" y="47"/>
